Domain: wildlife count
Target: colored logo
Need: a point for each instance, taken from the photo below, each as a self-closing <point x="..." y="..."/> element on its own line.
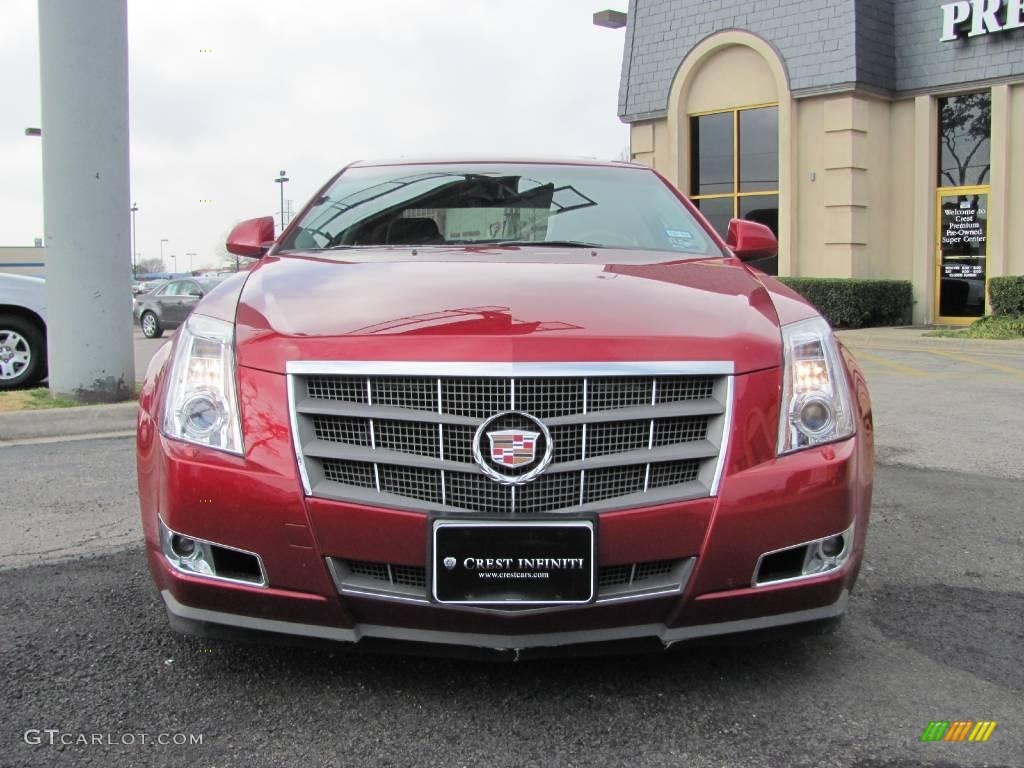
<point x="512" y="447"/>
<point x="958" y="730"/>
<point x="449" y="563"/>
<point x="517" y="449"/>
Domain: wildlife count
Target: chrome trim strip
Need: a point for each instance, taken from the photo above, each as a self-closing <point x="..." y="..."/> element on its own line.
<point x="293" y="418"/>
<point x="639" y="595"/>
<point x="726" y="429"/>
<point x="373" y="435"/>
<point x="668" y="636"/>
<point x="166" y="529"/>
<point x="356" y="592"/>
<point x="518" y="370"/>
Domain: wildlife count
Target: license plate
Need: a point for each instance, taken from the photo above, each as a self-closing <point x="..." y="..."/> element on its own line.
<point x="502" y="562"/>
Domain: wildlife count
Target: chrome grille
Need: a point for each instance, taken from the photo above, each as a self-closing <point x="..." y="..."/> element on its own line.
<point x="406" y="441"/>
<point x="614" y="581"/>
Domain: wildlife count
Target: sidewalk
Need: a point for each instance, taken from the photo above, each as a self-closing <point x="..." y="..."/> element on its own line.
<point x="89" y="420"/>
<point x="911" y="338"/>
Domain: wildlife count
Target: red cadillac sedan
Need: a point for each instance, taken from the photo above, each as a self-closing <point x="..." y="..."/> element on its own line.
<point x="503" y="407"/>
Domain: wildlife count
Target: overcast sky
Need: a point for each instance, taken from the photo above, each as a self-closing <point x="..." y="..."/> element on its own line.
<point x="310" y="85"/>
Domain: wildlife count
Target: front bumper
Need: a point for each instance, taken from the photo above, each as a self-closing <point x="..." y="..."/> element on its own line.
<point x="189" y="618"/>
<point x="255" y="503"/>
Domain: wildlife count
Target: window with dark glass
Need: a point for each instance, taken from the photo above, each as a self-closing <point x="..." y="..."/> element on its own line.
<point x="965" y="124"/>
<point x="964" y="139"/>
<point x="734" y="167"/>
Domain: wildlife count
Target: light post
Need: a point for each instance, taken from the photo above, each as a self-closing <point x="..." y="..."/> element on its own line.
<point x="281" y="180"/>
<point x="190" y="254"/>
<point x="610" y="19"/>
<point x="162" y="241"/>
<point x="174" y="261"/>
<point x="135" y="254"/>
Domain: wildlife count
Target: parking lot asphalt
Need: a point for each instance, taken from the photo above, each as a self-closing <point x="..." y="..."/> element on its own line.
<point x="933" y="632"/>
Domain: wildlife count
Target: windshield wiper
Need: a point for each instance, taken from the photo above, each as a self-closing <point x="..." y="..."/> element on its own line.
<point x="549" y="243"/>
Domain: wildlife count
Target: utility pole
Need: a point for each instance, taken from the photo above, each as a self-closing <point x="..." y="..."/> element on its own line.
<point x="281" y="180"/>
<point x="83" y="67"/>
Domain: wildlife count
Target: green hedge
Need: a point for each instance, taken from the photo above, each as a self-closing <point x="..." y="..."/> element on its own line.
<point x="1007" y="295"/>
<point x="851" y="303"/>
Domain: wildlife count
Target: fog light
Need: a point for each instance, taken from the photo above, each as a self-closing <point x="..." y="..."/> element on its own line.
<point x="183" y="546"/>
<point x="197" y="557"/>
<point x="832" y="546"/>
<point x="803" y="561"/>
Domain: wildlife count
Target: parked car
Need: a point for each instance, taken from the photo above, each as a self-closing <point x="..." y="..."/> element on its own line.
<point x="22" y="330"/>
<point x="169" y="304"/>
<point x="504" y="406"/>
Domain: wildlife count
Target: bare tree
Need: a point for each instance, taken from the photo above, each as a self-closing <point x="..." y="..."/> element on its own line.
<point x="965" y="122"/>
<point x="150" y="266"/>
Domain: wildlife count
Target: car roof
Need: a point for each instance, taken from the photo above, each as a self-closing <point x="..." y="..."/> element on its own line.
<point x="497" y="160"/>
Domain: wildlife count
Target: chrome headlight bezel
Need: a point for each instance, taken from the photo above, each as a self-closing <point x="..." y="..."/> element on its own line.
<point x="201" y="402"/>
<point x="816" y="406"/>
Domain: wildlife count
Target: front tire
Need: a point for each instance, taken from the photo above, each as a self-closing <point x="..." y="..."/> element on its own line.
<point x="22" y="352"/>
<point x="151" y="327"/>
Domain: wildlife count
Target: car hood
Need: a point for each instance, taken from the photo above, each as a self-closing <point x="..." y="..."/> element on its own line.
<point x="512" y="305"/>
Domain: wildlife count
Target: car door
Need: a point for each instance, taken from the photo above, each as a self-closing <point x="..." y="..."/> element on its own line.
<point x="189" y="294"/>
<point x="169" y="306"/>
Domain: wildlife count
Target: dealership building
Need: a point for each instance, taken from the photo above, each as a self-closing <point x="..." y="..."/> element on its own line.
<point x="878" y="138"/>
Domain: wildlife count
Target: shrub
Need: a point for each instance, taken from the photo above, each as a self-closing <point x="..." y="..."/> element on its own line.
<point x="988" y="327"/>
<point x="1006" y="295"/>
<point x="853" y="303"/>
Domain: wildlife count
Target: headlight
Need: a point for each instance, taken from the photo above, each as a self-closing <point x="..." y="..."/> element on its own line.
<point x="202" y="404"/>
<point x="815" y="395"/>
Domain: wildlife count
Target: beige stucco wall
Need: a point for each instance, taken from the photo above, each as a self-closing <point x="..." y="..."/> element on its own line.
<point x="732" y="76"/>
<point x="809" y="213"/>
<point x="857" y="171"/>
<point x="1015" y="201"/>
<point x="897" y="259"/>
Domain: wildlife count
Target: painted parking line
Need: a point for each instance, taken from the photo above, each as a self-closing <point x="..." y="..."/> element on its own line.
<point x="856" y="347"/>
<point x="974" y="361"/>
<point x="898" y="367"/>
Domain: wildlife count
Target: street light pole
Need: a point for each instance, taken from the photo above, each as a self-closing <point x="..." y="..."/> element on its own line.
<point x="135" y="253"/>
<point x="281" y="180"/>
<point x="190" y="254"/>
<point x="162" y="241"/>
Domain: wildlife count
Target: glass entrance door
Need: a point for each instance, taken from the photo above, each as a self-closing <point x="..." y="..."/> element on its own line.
<point x="962" y="253"/>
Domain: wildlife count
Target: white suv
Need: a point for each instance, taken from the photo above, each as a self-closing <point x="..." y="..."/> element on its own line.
<point x="22" y="331"/>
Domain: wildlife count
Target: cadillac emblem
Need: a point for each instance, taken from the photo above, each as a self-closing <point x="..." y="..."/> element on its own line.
<point x="512" y="447"/>
<point x="449" y="563"/>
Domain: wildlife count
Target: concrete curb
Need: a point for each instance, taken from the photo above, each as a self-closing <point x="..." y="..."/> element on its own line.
<point x="68" y="422"/>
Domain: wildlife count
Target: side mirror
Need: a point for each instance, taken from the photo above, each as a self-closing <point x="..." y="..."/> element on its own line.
<point x="252" y="237"/>
<point x="750" y="240"/>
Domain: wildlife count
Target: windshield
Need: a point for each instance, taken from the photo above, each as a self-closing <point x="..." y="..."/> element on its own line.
<point x="564" y="205"/>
